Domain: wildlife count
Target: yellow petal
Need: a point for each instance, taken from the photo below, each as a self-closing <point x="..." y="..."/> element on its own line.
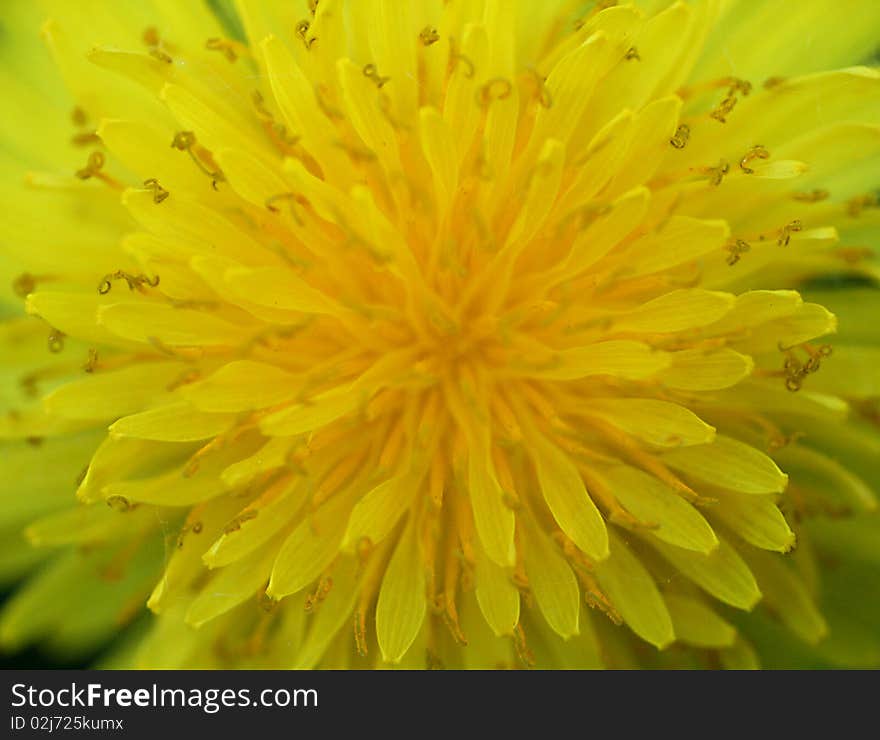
<point x="175" y="327"/>
<point x="69" y="37"/>
<point x="333" y="613"/>
<point x="605" y="232"/>
<point x="571" y="505"/>
<point x="499" y="136"/>
<point x="697" y="624"/>
<point x="309" y="549"/>
<point x="494" y="521"/>
<point x="654" y="503"/>
<point x="393" y="34"/>
<point x="759" y="306"/>
<point x="659" y="423"/>
<point x="633" y="593"/>
<point x="230" y="587"/>
<point x="270" y="456"/>
<point x="296" y="98"/>
<point x="680" y="241"/>
<point x="379" y="510"/>
<point x="619" y="358"/>
<point x="169" y="261"/>
<point x="370" y="123"/>
<point x="137" y="66"/>
<point x="544" y="182"/>
<point x="146" y="152"/>
<point x="251" y="178"/>
<point x="169" y="489"/>
<point x="497" y="597"/>
<point x="438" y="144"/>
<point x="174" y="422"/>
<point x="600" y="162"/>
<point x="676" y="311"/>
<point x="757" y="519"/>
<point x="731" y="464"/>
<point x="722" y="573"/>
<point x="402" y="601"/>
<point x="73" y="313"/>
<point x="306" y="417"/>
<point x="120" y="457"/>
<point x="459" y="110"/>
<point x="653" y="126"/>
<point x="570" y="85"/>
<point x="782" y="49"/>
<point x="278" y="288"/>
<point x="184" y="562"/>
<point x="780" y="169"/>
<point x="256" y="523"/>
<point x="214" y="271"/>
<point x="115" y="393"/>
<point x="194" y="228"/>
<point x="552" y="582"/>
<point x="807" y="322"/>
<point x="241" y="386"/>
<point x="489" y="648"/>
<point x="215" y="129"/>
<point x="699" y="370"/>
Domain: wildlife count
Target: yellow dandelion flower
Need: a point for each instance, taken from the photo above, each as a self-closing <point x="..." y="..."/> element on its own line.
<point x="477" y="333"/>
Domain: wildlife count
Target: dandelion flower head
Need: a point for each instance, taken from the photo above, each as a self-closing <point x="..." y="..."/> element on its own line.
<point x="475" y="333"/>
